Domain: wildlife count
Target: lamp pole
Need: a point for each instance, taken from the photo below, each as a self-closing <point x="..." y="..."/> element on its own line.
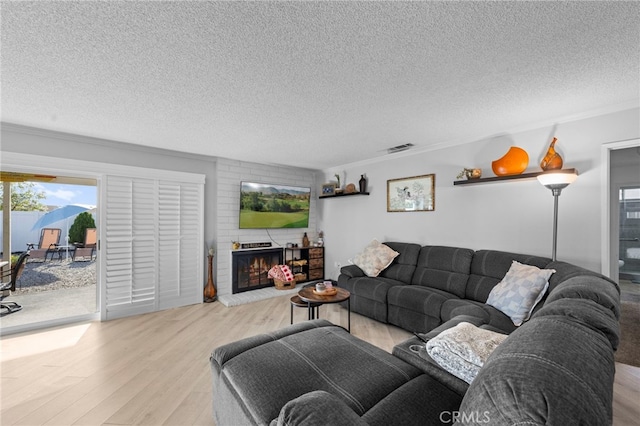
<point x="556" y="181"/>
<point x="556" y="194"/>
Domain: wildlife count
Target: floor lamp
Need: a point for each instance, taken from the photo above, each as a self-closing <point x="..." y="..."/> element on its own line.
<point x="556" y="181"/>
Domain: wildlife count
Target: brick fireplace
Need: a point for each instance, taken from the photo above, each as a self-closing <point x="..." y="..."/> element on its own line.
<point x="249" y="268"/>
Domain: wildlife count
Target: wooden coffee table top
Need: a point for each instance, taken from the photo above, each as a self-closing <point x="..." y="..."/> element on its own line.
<point x="308" y="295"/>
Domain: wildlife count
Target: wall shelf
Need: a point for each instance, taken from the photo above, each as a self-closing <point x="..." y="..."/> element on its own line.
<point x="344" y="194"/>
<point x="506" y="178"/>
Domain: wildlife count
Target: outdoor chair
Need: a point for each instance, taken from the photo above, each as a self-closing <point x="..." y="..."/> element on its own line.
<point x="88" y="248"/>
<point x="7" y="287"/>
<point x="49" y="241"/>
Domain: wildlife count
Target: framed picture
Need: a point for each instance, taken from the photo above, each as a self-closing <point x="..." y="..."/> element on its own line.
<point x="411" y="194"/>
<point x="328" y="189"/>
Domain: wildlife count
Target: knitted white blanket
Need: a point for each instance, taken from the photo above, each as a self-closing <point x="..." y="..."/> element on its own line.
<point x="462" y="350"/>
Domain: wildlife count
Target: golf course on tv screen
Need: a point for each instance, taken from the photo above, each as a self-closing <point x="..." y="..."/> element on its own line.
<point x="273" y="206"/>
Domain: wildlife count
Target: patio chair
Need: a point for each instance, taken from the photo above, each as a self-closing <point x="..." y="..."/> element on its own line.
<point x="89" y="246"/>
<point x="7" y="287"/>
<point x="49" y="241"/>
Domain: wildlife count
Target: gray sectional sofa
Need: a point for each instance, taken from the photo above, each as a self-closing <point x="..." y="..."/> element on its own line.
<point x="556" y="368"/>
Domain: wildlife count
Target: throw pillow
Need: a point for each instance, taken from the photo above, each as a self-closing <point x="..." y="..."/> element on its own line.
<point x="519" y="291"/>
<point x="375" y="258"/>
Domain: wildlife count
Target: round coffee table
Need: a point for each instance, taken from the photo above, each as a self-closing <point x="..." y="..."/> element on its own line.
<point x="308" y="295"/>
<point x="313" y="308"/>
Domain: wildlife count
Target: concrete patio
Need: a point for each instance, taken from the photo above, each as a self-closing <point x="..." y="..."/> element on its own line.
<point x="52" y="291"/>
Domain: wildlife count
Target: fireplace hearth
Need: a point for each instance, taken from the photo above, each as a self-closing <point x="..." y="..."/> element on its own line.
<point x="250" y="268"/>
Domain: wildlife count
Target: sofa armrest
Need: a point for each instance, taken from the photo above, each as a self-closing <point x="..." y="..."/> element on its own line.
<point x="317" y="408"/>
<point x="352" y="271"/>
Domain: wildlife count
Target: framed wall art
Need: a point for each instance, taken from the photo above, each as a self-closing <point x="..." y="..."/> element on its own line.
<point x="412" y="194"/>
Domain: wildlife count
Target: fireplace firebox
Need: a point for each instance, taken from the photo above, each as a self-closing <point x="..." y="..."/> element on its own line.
<point x="250" y="268"/>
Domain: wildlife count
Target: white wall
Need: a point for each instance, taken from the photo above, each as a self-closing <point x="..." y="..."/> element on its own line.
<point x="229" y="175"/>
<point x="511" y="216"/>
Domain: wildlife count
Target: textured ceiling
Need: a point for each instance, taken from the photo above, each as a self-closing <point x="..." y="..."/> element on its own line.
<point x="314" y="84"/>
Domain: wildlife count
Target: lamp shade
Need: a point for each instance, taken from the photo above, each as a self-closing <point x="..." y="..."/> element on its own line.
<point x="557" y="178"/>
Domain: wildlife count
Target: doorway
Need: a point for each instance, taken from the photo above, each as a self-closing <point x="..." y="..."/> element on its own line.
<point x="55" y="287"/>
<point x="624" y="243"/>
<point x="629" y="234"/>
<point x="620" y="229"/>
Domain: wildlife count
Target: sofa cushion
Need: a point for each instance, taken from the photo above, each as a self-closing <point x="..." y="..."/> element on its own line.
<point x="411" y="320"/>
<point x="520" y="290"/>
<point x="454" y="307"/>
<point x="418" y="402"/>
<point x="425" y="300"/>
<point x="565" y="270"/>
<point x="496" y="319"/>
<point x="587" y="312"/>
<point x="374" y="258"/>
<point x="375" y="289"/>
<point x="403" y="266"/>
<point x="598" y="289"/>
<point x="224" y="353"/>
<point x="443" y="268"/>
<point x="351" y="271"/>
<point x="317" y="408"/>
<point x="415" y="308"/>
<point x="369" y="295"/>
<point x="490" y="266"/>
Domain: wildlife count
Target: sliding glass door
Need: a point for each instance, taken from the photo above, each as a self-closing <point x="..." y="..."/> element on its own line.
<point x="55" y="286"/>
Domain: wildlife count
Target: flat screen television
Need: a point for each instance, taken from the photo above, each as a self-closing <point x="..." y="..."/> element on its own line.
<point x="264" y="205"/>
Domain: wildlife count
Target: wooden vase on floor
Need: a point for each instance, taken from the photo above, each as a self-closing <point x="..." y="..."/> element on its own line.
<point x="210" y="288"/>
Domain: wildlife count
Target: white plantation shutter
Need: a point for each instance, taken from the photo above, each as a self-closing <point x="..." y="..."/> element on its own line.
<point x="152" y="245"/>
<point x="168" y="241"/>
<point x="179" y="270"/>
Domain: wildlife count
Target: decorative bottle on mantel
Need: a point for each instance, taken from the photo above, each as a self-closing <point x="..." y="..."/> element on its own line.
<point x="363" y="183"/>
<point x="552" y="160"/>
<point x="305" y="240"/>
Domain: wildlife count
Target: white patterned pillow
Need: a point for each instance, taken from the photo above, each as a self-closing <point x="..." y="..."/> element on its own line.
<point x="520" y="290"/>
<point x="375" y="258"/>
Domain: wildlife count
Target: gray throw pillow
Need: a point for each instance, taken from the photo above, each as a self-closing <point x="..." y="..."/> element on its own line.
<point x="519" y="291"/>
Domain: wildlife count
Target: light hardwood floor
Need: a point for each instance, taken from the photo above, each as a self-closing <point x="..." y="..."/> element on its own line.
<point x="153" y="369"/>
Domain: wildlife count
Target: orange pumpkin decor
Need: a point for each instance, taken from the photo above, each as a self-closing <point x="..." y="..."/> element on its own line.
<point x="514" y="162"/>
<point x="552" y="160"/>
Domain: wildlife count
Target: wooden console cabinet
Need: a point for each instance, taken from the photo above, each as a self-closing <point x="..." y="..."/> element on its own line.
<point x="306" y="263"/>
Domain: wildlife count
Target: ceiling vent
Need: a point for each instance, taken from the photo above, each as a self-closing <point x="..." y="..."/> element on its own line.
<point x="399" y="148"/>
